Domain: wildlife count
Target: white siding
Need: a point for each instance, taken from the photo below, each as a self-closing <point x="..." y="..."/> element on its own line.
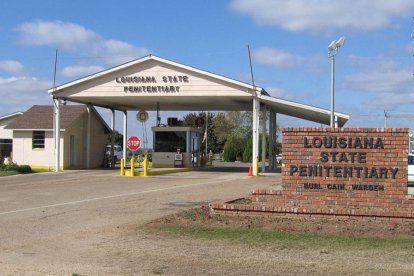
<point x="195" y="84"/>
<point x="24" y="154"/>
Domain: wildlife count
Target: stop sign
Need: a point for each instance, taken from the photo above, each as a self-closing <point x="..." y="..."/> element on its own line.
<point x="133" y="143"/>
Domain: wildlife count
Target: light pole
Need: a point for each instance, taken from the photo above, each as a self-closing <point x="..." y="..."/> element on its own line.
<point x="386" y="117"/>
<point x="332" y="51"/>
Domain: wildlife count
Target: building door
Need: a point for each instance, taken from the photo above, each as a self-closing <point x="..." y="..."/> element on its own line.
<point x="72" y="162"/>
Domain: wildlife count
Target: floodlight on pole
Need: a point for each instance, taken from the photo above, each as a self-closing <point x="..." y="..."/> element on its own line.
<point x="332" y="51"/>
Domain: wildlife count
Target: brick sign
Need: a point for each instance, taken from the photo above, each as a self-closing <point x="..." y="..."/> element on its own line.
<point x="347" y="170"/>
<point x="347" y="161"/>
<point x="342" y="172"/>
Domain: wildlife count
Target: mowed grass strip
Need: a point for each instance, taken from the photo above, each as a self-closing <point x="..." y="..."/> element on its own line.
<point x="7" y="173"/>
<point x="260" y="237"/>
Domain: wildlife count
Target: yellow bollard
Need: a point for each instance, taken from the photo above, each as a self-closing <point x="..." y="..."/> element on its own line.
<point x="122" y="167"/>
<point x="145" y="165"/>
<point x="256" y="165"/>
<point x="132" y="166"/>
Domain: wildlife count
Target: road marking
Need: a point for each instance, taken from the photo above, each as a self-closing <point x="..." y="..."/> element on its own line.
<point x="113" y="196"/>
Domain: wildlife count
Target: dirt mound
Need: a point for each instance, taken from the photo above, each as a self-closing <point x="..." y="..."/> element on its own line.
<point x="299" y="224"/>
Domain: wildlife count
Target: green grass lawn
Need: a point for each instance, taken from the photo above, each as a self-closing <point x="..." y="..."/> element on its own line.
<point x="6" y="173"/>
<point x="260" y="237"/>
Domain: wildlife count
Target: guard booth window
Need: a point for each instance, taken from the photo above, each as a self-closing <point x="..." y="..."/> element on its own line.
<point x="38" y="140"/>
<point x="170" y="141"/>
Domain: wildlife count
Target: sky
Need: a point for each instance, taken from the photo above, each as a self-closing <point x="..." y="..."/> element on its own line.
<point x="288" y="41"/>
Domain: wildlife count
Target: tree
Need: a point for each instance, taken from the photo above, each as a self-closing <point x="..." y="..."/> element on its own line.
<point x="189" y="120"/>
<point x="230" y="132"/>
<point x="118" y="138"/>
<point x="221" y="128"/>
<point x="211" y="143"/>
<point x="234" y="147"/>
<point x="248" y="149"/>
<point x="229" y="122"/>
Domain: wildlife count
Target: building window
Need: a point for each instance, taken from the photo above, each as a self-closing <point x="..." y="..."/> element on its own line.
<point x="6" y="146"/>
<point x="38" y="140"/>
<point x="170" y="141"/>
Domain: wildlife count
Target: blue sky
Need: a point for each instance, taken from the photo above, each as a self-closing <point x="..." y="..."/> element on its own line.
<point x="288" y="40"/>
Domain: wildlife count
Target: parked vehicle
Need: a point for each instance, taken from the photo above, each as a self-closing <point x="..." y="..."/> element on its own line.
<point x="117" y="152"/>
<point x="411" y="168"/>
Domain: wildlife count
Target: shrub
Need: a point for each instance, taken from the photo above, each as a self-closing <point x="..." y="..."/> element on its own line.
<point x="16" y="168"/>
<point x="248" y="151"/>
<point x="9" y="167"/>
<point x="234" y="147"/>
<point x="24" y="169"/>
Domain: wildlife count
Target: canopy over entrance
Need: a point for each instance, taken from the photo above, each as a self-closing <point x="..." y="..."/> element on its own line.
<point x="153" y="83"/>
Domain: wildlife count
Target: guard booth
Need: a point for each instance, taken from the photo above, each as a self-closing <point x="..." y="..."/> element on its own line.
<point x="176" y="146"/>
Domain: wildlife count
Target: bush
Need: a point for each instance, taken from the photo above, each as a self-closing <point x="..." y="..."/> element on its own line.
<point x="9" y="167"/>
<point x="16" y="168"/>
<point x="229" y="154"/>
<point x="24" y="169"/>
<point x="248" y="151"/>
<point x="234" y="147"/>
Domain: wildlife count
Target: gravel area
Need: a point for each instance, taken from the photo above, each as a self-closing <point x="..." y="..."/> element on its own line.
<point x="90" y="223"/>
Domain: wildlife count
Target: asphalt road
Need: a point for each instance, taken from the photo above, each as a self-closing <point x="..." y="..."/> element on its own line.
<point x="70" y="222"/>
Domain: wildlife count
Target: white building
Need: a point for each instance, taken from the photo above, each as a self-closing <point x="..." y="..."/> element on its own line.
<point x="33" y="139"/>
<point x="6" y="135"/>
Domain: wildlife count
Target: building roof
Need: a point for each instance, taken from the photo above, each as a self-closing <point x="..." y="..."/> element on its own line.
<point x="160" y="60"/>
<point x="8" y="116"/>
<point x="302" y="111"/>
<point x="121" y="88"/>
<point x="40" y="117"/>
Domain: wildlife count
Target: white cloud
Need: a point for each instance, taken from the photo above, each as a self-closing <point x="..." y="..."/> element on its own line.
<point x="370" y="64"/>
<point x="20" y="93"/>
<point x="391" y="88"/>
<point x="116" y="52"/>
<point x="394" y="82"/>
<point x="282" y="59"/>
<point x="77" y="39"/>
<point x="325" y="15"/>
<point x="277" y="58"/>
<point x="391" y="100"/>
<point x="11" y="66"/>
<point x="63" y="34"/>
<point x="75" y="71"/>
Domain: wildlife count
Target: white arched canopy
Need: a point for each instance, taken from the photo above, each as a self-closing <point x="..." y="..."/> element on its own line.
<point x="152" y="83"/>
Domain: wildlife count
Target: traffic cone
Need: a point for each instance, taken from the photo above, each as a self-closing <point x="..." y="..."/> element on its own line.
<point x="250" y="173"/>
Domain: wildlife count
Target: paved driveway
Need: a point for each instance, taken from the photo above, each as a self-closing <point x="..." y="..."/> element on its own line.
<point x="68" y="222"/>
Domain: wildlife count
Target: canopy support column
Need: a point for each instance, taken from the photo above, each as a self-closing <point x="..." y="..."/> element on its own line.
<point x="264" y="138"/>
<point x="255" y="133"/>
<point x="88" y="138"/>
<point x="112" y="138"/>
<point x="56" y="131"/>
<point x="124" y="146"/>
<point x="272" y="139"/>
